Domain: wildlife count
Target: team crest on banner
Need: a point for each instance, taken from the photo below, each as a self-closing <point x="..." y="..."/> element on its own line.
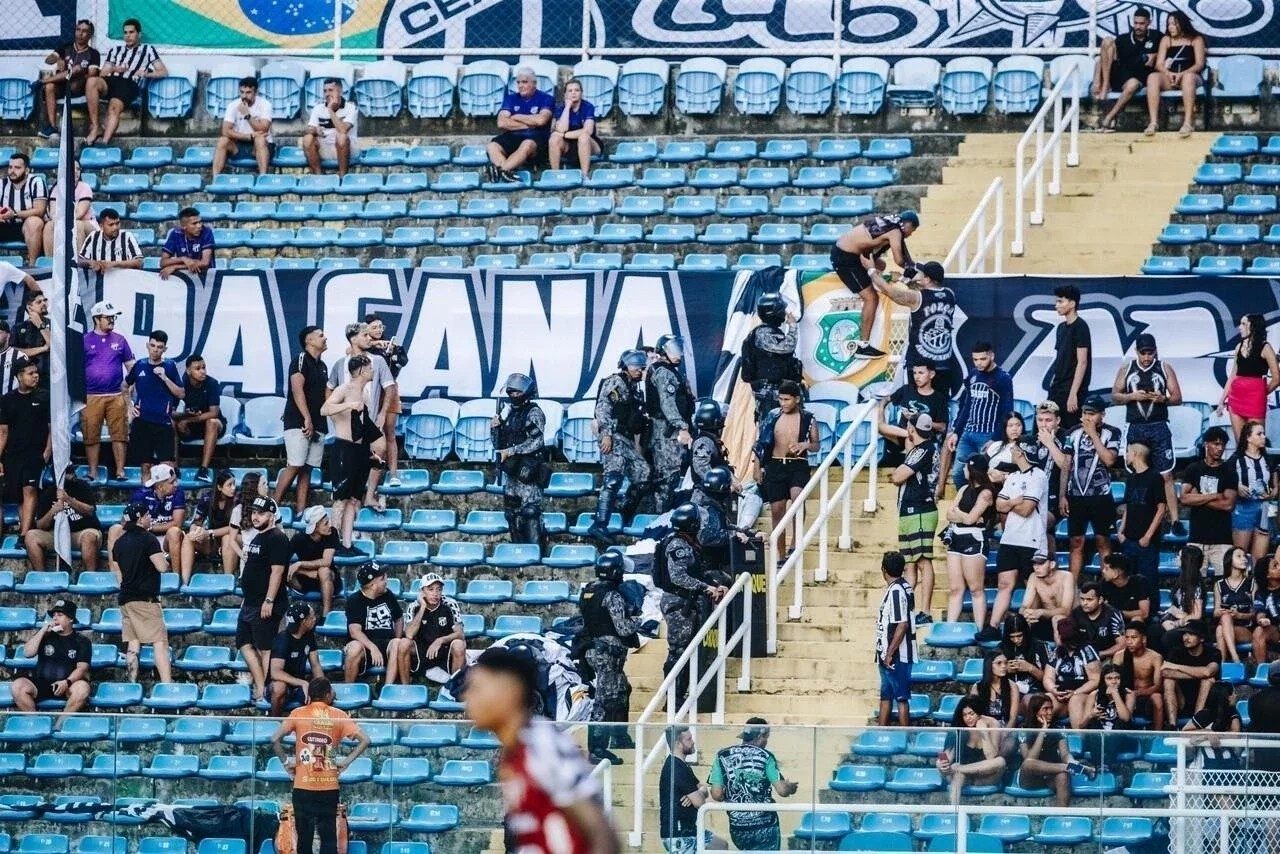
<point x="830" y="330"/>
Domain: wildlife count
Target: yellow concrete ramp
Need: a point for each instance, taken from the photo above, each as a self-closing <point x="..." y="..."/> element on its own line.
<point x="1111" y="208"/>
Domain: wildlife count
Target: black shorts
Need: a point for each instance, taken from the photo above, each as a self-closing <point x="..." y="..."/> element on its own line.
<point x="1010" y="558"/>
<point x="122" y="89"/>
<point x="421" y="663"/>
<point x="44" y="689"/>
<point x="509" y="141"/>
<point x="1120" y="74"/>
<point x="349" y="467"/>
<point x="1100" y="510"/>
<point x="848" y="266"/>
<point x="252" y="630"/>
<point x="293" y="696"/>
<point x="782" y="476"/>
<point x="11" y="232"/>
<point x="23" y="468"/>
<point x="77" y="87"/>
<point x="967" y="545"/>
<point x="149" y="442"/>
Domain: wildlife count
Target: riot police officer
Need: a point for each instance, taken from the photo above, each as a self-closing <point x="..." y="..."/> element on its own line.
<point x="769" y="352"/>
<point x="519" y="436"/>
<point x="612" y="632"/>
<point x="708" y="450"/>
<point x="621" y="421"/>
<point x="670" y="403"/>
<point x="677" y="572"/>
<point x="715" y="530"/>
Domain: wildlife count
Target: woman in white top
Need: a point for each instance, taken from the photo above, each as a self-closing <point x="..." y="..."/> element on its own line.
<point x="86" y="222"/>
<point x="998" y="451"/>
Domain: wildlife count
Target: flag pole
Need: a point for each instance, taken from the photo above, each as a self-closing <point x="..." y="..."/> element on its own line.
<point x="63" y="294"/>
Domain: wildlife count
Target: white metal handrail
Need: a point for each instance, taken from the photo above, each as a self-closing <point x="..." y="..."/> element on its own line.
<point x="828" y="501"/>
<point x="984" y="238"/>
<point x="687" y="712"/>
<point x="1046" y="150"/>
<point x="604" y="770"/>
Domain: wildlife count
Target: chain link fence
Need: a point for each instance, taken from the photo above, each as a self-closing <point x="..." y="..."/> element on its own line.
<point x="1248" y="803"/>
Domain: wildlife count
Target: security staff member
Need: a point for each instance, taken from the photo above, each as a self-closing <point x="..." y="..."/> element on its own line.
<point x="621" y="421"/>
<point x="714" y="531"/>
<point x="670" y="402"/>
<point x="612" y="632"/>
<point x="707" y="451"/>
<point x="677" y="572"/>
<point x="520" y="437"/>
<point x="769" y="352"/>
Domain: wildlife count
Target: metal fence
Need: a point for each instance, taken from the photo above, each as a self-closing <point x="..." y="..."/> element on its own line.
<point x="623" y="29"/>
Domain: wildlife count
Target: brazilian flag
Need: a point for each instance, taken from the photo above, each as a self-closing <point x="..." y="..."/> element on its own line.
<point x="250" y="24"/>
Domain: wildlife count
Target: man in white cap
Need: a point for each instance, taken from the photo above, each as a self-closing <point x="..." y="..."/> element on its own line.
<point x="107" y="359"/>
<point x="167" y="508"/>
<point x="433" y="635"/>
<point x="917" y="478"/>
<point x="313" y="550"/>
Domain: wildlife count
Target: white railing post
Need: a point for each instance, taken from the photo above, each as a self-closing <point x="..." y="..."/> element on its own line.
<point x="337" y="30"/>
<point x="824" y="487"/>
<point x="586" y="29"/>
<point x="744" y="677"/>
<point x="1067" y="123"/>
<point x="845" y="542"/>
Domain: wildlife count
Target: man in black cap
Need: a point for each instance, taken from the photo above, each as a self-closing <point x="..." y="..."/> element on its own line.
<point x="917" y="477"/>
<point x="294" y="659"/>
<point x="265" y="597"/>
<point x="138" y="563"/>
<point x="1091" y="448"/>
<point x="62" y="662"/>
<point x="930" y="334"/>
<point x="1148" y="386"/>
<point x="748" y="773"/>
<point x="374" y="620"/>
<point x="1189" y="671"/>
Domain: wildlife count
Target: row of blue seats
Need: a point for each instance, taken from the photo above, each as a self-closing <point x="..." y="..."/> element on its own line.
<point x="924" y="780"/>
<point x="927" y="744"/>
<point x="125" y="184"/>
<point x="994" y="832"/>
<point x="584" y="261"/>
<point x="188" y="696"/>
<point x="395" y="156"/>
<point x="1225" y="234"/>
<point x="1221" y="174"/>
<point x="1210" y="265"/>
<point x="435" y="818"/>
<point x="931" y="672"/>
<point x="1244" y="145"/>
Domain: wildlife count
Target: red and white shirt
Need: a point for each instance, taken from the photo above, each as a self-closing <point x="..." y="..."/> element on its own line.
<point x="545" y="773"/>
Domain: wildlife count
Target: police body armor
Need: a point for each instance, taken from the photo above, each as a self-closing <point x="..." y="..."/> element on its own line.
<point x="629" y="410"/>
<point x="596" y="620"/>
<point x="514" y="430"/>
<point x="772" y="368"/>
<point x="684" y="397"/>
<point x="661" y="576"/>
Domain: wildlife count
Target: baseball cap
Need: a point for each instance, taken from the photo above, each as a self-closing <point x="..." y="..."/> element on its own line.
<point x="368" y="572"/>
<point x="755" y="728"/>
<point x="923" y="423"/>
<point x="62" y="606"/>
<point x="297" y="612"/>
<point x="979" y="460"/>
<point x="1094" y="404"/>
<point x="1146" y="341"/>
<point x="311" y="517"/>
<point x="1196" y="626"/>
<point x="264" y="504"/>
<point x="432" y="578"/>
<point x="104" y="308"/>
<point x="160" y="473"/>
<point x="134" y="512"/>
<point x="933" y="270"/>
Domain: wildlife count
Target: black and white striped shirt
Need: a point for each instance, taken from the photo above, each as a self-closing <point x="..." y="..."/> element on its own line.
<point x="7" y="355"/>
<point x="20" y="197"/>
<point x="97" y="247"/>
<point x="134" y="60"/>
<point x="896" y="607"/>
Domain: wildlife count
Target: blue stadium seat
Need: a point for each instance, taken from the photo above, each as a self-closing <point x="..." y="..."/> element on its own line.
<point x="933" y="670"/>
<point x="632" y="152"/>
<point x="550" y="261"/>
<point x="44" y="843"/>
<point x="1219" y="265"/>
<point x="598" y="261"/>
<point x="268" y="238"/>
<point x="640" y="206"/>
<point x="100" y="157"/>
<point x="642" y="86"/>
<point x="915" y="83"/>
<point x="599" y="80"/>
<point x="116" y="695"/>
<point x="459" y="481"/>
<point x="537" y="207"/>
<point x="252" y="212"/>
<point x="354" y="237"/>
<point x="757" y="88"/>
<point x="462" y="235"/>
<point x="1235" y="145"/>
<point x="203" y="659"/>
<point x="102" y="845"/>
<point x="1166" y="265"/>
<point x="570" y="556"/>
<point x="56" y="765"/>
<point x="699" y="86"/>
<point x="880" y="742"/>
<point x="724" y="234"/>
<point x="1264" y="267"/>
<point x="662" y="178"/>
<point x="1238" y="78"/>
<point x="1213" y="174"/>
<point x="193" y="729"/>
<point x="1122" y="832"/>
<point x="1249" y="204"/>
<point x="40" y="582"/>
<point x="366" y="549"/>
<point x="281" y="84"/>
<point x="1236" y="234"/>
<point x="824" y="826"/>
<point x="486" y="208"/>
<point x="951" y="635"/>
<point x="514" y="235"/>
<point x="369" y="519"/>
<point x="619" y="233"/>
<point x="391" y="264"/>
<point x="1201" y="203"/>
<point x="778" y="234"/>
<point x="222" y="623"/>
<point x="425" y="736"/>
<point x="683" y="151"/>
<point x="945" y="843"/>
<point x="181" y="621"/>
<point x="705" y="178"/>
<point x="430" y="89"/>
<point x="126" y="184"/>
<point x="155" y="211"/>
<point x="486" y="590"/>
<point x="384" y="210"/>
<point x="401" y="698"/>
<point x="1006" y="828"/>
<point x="460" y="554"/>
<point x="543" y="592"/>
<point x="78" y="729"/>
<point x="1102" y="785"/>
<point x="404" y="552"/>
<point x="1181" y="234"/>
<point x="587" y="519"/>
<point x="373" y="817"/>
<point x="348" y="696"/>
<point x="172" y="766"/>
<point x="871" y="177"/>
<point x="1065" y="830"/>
<point x="946" y="711"/>
<point x="754" y="261"/>
<point x="379" y="92"/>
<point x="817" y="178"/>
<point x="411" y="236"/>
<point x="567" y="484"/>
<point x="1261" y="174"/>
<point x="766" y="178"/>
<point x="569" y="235"/>
<point x="228" y="768"/>
<point x="484" y="523"/>
<point x="744" y="207"/>
<point x="221" y="845"/>
<point x="861" y="86"/>
<point x="826" y="233"/>
<point x="18" y="807"/>
<point x="431" y="818"/>
<point x="858" y="778"/>
<point x="464" y="772"/>
<point x="223" y="697"/>
<point x="455" y="182"/>
<point x="651" y="261"/>
<point x="482" y="86"/>
<point x="965" y="85"/>
<point x="1018" y="84"/>
<point x="141" y="730"/>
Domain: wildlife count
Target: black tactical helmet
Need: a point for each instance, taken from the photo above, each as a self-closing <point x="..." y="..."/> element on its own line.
<point x="671" y="346"/>
<point x="772" y="308"/>
<point x="610" y="566"/>
<point x="707" y="415"/>
<point x="717" y="481"/>
<point x="634" y="359"/>
<point x="522" y="385"/>
<point x="685" y="519"/>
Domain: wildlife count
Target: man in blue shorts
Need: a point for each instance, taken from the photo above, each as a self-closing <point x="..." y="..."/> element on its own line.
<point x="1148" y="386"/>
<point x="895" y="639"/>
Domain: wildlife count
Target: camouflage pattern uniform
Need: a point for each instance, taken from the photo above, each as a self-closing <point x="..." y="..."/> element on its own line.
<point x="681" y="610"/>
<point x="621" y="400"/>
<point x="607" y="656"/>
<point x="670" y="403"/>
<point x="522" y="432"/>
<point x="777" y="348"/>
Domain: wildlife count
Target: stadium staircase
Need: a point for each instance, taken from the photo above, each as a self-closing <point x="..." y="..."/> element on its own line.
<point x="1081" y="233"/>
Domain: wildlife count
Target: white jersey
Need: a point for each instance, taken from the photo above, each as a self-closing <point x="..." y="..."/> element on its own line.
<point x="1026" y="531"/>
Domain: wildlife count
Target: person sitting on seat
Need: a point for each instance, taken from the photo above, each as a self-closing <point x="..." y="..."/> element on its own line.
<point x="525" y="121"/>
<point x="62" y="662"/>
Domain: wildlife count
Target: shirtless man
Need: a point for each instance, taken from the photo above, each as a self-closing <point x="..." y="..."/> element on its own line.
<point x="873" y="238"/>
<point x="357" y="446"/>
<point x="1145" y="668"/>
<point x="780" y="463"/>
<point x="1051" y="593"/>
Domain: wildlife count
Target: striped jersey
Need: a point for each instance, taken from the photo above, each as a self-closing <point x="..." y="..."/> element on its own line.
<point x="133" y="60"/>
<point x="98" y="247"/>
<point x="20" y="197"/>
<point x="897" y="606"/>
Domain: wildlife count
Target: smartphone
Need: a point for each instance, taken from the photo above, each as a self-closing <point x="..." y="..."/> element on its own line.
<point x="1075" y="767"/>
<point x="943" y="756"/>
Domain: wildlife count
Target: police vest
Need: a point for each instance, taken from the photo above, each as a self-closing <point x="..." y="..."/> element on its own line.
<point x="660" y="574"/>
<point x="760" y="366"/>
<point x="597" y="622"/>
<point x="627" y="402"/>
<point x="660" y="377"/>
<point x="719" y="455"/>
<point x="516" y="428"/>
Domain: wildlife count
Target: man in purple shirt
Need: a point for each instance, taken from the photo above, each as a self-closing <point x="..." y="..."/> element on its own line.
<point x="159" y="388"/>
<point x="107" y="358"/>
<point x="525" y="122"/>
<point x="189" y="247"/>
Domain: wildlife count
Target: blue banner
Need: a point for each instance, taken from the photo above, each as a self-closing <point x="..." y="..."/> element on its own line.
<point x="464" y="331"/>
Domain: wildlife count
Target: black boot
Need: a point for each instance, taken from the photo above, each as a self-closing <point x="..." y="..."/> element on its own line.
<point x="599" y="530"/>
